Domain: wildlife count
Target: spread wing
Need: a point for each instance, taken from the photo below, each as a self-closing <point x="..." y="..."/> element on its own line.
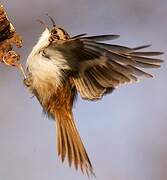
<point x="98" y="68"/>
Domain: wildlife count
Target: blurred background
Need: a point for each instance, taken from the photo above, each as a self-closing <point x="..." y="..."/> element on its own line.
<point x="125" y="134"/>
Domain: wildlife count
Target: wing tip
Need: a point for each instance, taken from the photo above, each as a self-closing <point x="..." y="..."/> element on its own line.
<point x="142" y="47"/>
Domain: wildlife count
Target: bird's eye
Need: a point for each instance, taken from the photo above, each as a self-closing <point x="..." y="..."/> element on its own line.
<point x="54" y="32"/>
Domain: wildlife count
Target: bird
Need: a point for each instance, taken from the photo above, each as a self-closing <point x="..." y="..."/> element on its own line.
<point x="61" y="66"/>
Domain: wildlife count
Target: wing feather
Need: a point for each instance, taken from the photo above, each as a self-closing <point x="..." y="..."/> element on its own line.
<point x="156" y="53"/>
<point x="102" y="37"/>
<point x="111" y="47"/>
<point x="98" y="68"/>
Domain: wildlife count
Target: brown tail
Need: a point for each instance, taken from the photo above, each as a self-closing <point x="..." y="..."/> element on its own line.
<point x="70" y="144"/>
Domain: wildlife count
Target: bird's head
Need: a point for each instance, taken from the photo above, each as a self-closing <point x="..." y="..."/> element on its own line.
<point x="56" y="32"/>
<point x="49" y="36"/>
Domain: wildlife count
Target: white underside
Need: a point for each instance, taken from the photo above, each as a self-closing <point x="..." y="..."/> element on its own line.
<point x="42" y="69"/>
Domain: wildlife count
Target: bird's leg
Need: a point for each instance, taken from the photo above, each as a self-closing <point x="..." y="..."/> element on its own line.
<point x="22" y="71"/>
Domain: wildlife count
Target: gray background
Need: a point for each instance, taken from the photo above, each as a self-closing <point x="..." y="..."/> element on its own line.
<point x="125" y="133"/>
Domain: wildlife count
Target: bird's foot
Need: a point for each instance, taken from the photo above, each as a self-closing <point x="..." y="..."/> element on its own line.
<point x="27" y="81"/>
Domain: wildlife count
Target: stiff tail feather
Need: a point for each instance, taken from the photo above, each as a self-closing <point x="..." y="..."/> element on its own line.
<point x="69" y="143"/>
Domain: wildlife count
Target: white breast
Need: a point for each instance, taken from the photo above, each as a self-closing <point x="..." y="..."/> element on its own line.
<point x="43" y="69"/>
